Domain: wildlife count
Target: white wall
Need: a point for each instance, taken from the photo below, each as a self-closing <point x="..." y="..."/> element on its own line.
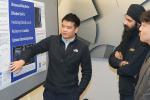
<point x="101" y="22"/>
<point x="51" y="13"/>
<point x="104" y="83"/>
<point x="110" y="24"/>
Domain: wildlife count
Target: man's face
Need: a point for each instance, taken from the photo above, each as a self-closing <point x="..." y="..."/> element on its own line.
<point x="68" y="29"/>
<point x="145" y="32"/>
<point x="129" y="23"/>
<point x="130" y="27"/>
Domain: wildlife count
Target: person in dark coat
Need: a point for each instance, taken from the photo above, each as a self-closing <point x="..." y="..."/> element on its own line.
<point x="129" y="55"/>
<point x="66" y="52"/>
<point x="142" y="90"/>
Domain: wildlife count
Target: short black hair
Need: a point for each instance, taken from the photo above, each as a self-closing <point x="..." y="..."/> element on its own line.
<point x="73" y="18"/>
<point x="145" y="17"/>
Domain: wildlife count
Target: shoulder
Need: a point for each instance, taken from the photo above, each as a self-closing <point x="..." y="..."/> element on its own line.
<point x="52" y="37"/>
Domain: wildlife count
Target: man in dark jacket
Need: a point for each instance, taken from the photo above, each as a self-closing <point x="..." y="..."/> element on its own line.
<point x="128" y="57"/>
<point x="142" y="90"/>
<point x="66" y="52"/>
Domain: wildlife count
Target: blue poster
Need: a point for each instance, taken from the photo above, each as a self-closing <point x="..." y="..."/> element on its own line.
<point x="22" y="34"/>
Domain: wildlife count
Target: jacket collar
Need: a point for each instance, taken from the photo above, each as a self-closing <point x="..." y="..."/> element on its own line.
<point x="143" y="70"/>
<point x="61" y="41"/>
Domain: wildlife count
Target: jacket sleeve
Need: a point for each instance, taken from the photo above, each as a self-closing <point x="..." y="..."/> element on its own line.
<point x="146" y="95"/>
<point x="37" y="48"/>
<point x="113" y="61"/>
<point x="86" y="70"/>
<point x="135" y="63"/>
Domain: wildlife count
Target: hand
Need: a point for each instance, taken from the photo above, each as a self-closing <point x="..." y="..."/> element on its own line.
<point x="123" y="63"/>
<point x="119" y="55"/>
<point x="17" y="65"/>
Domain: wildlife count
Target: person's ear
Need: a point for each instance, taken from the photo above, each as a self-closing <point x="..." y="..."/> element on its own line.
<point x="77" y="29"/>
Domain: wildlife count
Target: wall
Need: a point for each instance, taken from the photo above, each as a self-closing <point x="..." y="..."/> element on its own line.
<point x="101" y="21"/>
<point x="104" y="82"/>
<point x="51" y="16"/>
